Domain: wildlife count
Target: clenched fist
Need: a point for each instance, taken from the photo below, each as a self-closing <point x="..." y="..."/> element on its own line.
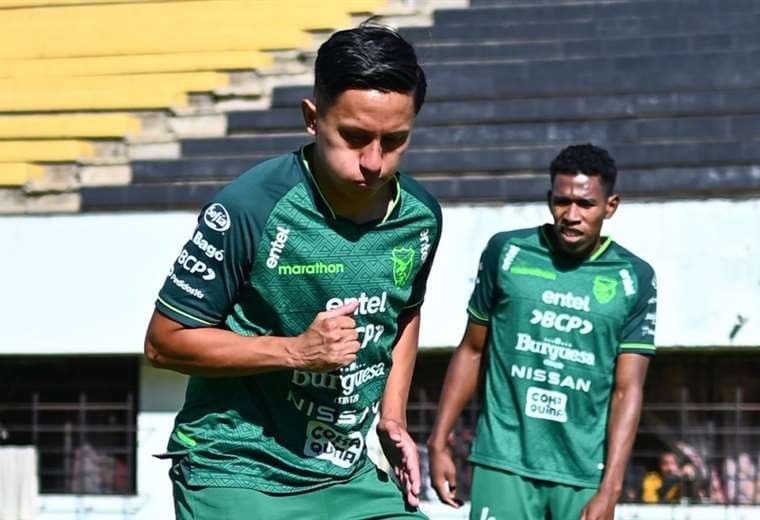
<point x="330" y="342"/>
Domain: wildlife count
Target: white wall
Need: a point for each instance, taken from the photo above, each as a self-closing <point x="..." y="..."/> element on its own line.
<point x="87" y="283"/>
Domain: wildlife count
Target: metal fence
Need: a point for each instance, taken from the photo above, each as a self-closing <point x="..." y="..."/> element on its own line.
<point x="716" y="446"/>
<point x="84" y="447"/>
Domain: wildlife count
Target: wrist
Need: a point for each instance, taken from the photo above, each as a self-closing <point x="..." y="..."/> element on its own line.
<point x="386" y="421"/>
<point x="611" y="490"/>
<point x="436" y="442"/>
<point x="289" y="354"/>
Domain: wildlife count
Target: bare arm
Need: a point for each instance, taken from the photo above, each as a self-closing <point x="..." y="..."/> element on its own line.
<point x="400" y="377"/>
<point x="330" y="342"/>
<point x="458" y="388"/>
<point x="397" y="444"/>
<point x="625" y="410"/>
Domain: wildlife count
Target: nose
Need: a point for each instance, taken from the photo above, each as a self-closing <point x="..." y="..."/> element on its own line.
<point x="371" y="158"/>
<point x="573" y="213"/>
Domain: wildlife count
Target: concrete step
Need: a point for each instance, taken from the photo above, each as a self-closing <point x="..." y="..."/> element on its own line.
<point x="453" y="137"/>
<point x="651" y="184"/>
<point x="453" y="161"/>
<point x="438" y="53"/>
<point x="671" y="9"/>
<point x="621" y="27"/>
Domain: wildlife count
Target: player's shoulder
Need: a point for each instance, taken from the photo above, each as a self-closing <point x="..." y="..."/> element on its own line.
<point x="412" y="188"/>
<point x="508" y="243"/>
<point x="641" y="267"/>
<point x="514" y="237"/>
<point x="257" y="190"/>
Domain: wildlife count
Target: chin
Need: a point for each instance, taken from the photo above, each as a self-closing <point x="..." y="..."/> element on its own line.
<point x="574" y="248"/>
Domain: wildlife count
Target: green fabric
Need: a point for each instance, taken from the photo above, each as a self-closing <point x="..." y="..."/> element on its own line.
<point x="266" y="257"/>
<point x="501" y="495"/>
<point x="370" y="496"/>
<point x="556" y="327"/>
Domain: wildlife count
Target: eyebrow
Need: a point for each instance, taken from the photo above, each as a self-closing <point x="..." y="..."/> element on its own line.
<point x="565" y="198"/>
<point x="360" y="130"/>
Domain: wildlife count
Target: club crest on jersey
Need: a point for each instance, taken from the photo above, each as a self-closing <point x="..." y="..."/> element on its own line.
<point x="403" y="262"/>
<point x="605" y="289"/>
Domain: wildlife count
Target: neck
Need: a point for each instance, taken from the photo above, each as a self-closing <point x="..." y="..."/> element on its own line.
<point x="358" y="208"/>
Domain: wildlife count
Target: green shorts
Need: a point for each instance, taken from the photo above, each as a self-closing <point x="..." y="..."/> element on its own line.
<point x="501" y="495"/>
<point x="371" y="495"/>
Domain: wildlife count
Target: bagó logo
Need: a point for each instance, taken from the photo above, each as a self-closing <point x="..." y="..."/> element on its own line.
<point x="605" y="289"/>
<point x="216" y="217"/>
<point x="403" y="261"/>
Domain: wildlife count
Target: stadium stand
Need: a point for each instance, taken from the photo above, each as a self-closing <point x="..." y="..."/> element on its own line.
<point x="74" y="96"/>
<point x="512" y="82"/>
<point x="670" y="86"/>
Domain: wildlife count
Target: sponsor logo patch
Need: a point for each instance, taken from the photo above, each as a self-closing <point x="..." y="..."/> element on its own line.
<point x="567" y="300"/>
<point x="628" y="287"/>
<point x="403" y="262"/>
<point x="424" y="244"/>
<point x="605" y="289"/>
<point x="315" y="269"/>
<point x="561" y="322"/>
<point x="216" y="217"/>
<point x="367" y="304"/>
<point x="192" y="265"/>
<point x="554" y="350"/>
<point x="208" y="249"/>
<point x="277" y="245"/>
<point x="323" y="442"/>
<point x="189" y="289"/>
<point x="509" y="258"/>
<point x="546" y="404"/>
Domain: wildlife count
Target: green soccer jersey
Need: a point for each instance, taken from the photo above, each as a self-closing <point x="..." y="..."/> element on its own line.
<point x="268" y="254"/>
<point x="556" y="327"/>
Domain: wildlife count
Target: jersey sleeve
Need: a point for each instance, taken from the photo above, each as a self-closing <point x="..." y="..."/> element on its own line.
<point x="639" y="327"/>
<point x="481" y="302"/>
<point x="417" y="296"/>
<point x="203" y="282"/>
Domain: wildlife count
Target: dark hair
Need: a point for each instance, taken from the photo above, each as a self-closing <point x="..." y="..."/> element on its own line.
<point x="589" y="160"/>
<point x="368" y="57"/>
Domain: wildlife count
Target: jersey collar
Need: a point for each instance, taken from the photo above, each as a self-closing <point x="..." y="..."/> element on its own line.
<point x="322" y="200"/>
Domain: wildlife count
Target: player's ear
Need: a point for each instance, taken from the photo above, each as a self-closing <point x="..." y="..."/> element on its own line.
<point x="309" y="111"/>
<point x="613" y="201"/>
<point x="549" y="198"/>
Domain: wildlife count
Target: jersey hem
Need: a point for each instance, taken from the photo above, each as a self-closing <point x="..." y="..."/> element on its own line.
<point x="549" y="476"/>
<point x="180" y="316"/>
<point x="413" y="305"/>
<point x="477" y="317"/>
<point x="637" y="348"/>
<point x="211" y="479"/>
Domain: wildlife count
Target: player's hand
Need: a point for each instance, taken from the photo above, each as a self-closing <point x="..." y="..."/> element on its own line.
<point x="443" y="475"/>
<point x="330" y="342"/>
<point x="401" y="451"/>
<point x="600" y="507"/>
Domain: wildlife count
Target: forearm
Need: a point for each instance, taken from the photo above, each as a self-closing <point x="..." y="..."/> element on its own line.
<point x="458" y="388"/>
<point x="396" y="394"/>
<point x="212" y="352"/>
<point x="625" y="410"/>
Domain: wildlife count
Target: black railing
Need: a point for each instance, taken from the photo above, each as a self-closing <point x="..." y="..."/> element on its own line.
<point x="717" y="446"/>
<point x="84" y="447"/>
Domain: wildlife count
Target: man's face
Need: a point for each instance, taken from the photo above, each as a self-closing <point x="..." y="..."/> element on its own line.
<point x="669" y="465"/>
<point x="579" y="205"/>
<point x="360" y="138"/>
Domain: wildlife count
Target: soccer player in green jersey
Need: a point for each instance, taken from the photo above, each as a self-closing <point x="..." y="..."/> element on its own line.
<point x="562" y="322"/>
<point x="295" y="308"/>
